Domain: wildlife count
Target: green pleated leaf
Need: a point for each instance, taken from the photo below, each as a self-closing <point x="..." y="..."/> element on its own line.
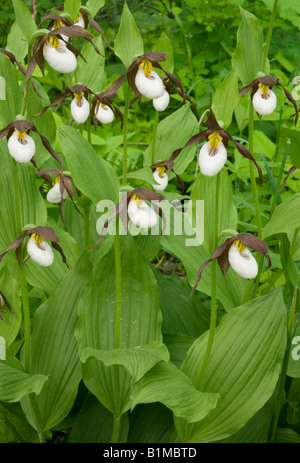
<point x="128" y="42"/>
<point x="54" y="350"/>
<point x="204" y="189"/>
<point x="248" y="54"/>
<point x="91" y="73"/>
<point x="16" y="42"/>
<point x="137" y="361"/>
<point x="14" y="428"/>
<point x="24" y="19"/>
<point x="150" y="424"/>
<point x="140" y="325"/>
<point x="173" y="132"/>
<point x="72" y="8"/>
<point x="285" y="218"/>
<point x="287" y="436"/>
<point x="245" y="373"/>
<point x="164" y="45"/>
<point x="15" y="383"/>
<point x="166" y="384"/>
<point x="33" y="209"/>
<point x="94" y="6"/>
<point x="91" y="174"/>
<point x="9" y="286"/>
<point x="226" y="98"/>
<point x="9" y="107"/>
<point x="293" y="136"/>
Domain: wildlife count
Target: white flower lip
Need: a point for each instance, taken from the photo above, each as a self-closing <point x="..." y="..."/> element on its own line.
<point x="162" y="181"/>
<point x="264" y="106"/>
<point x="54" y="194"/>
<point x="21" y="152"/>
<point x="211" y="165"/>
<point x="142" y="216"/>
<point x="42" y="254"/>
<point x="105" y="114"/>
<point x="60" y="59"/>
<point x="79" y="22"/>
<point x="243" y="263"/>
<point x="65" y="37"/>
<point x="150" y="86"/>
<point x="80" y="111"/>
<point x="161" y="103"/>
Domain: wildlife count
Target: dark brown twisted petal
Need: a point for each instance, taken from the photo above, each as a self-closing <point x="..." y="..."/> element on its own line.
<point x="96" y="26"/>
<point x="290" y="172"/>
<point x="7" y="305"/>
<point x="122" y="206"/>
<point x="54" y="17"/>
<point x="194" y="140"/>
<point x="221" y="253"/>
<point x="13" y="59"/>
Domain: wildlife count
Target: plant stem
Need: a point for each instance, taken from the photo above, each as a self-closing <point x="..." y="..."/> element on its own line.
<point x="118" y="286"/>
<point x="156" y="119"/>
<point x="213" y="309"/>
<point x="269" y="36"/>
<point x="17" y="197"/>
<point x="87" y="228"/>
<point x="252" y="173"/>
<point x="27" y="323"/>
<point x="116" y="429"/>
<point x="125" y="123"/>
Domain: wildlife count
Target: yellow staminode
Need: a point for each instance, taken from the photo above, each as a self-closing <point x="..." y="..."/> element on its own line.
<point x="138" y="199"/>
<point x="78" y="97"/>
<point x="214" y="139"/>
<point x="58" y="24"/>
<point x="53" y="40"/>
<point x="264" y="88"/>
<point x="241" y="246"/>
<point x="21" y="135"/>
<point x="38" y="239"/>
<point x="161" y="171"/>
<point x="57" y="180"/>
<point x="146" y="65"/>
<point x="79" y="14"/>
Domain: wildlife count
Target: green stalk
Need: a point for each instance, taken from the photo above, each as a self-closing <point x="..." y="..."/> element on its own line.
<point x="17" y="197"/>
<point x="269" y="35"/>
<point x="125" y="124"/>
<point x="87" y="234"/>
<point x="252" y="173"/>
<point x="156" y="119"/>
<point x="116" y="430"/>
<point x="118" y="286"/>
<point x="27" y="322"/>
<point x="213" y="309"/>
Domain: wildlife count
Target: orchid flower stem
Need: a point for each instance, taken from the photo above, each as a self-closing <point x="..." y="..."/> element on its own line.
<point x="17" y="197"/>
<point x="25" y="100"/>
<point x="88" y="129"/>
<point x="252" y="173"/>
<point x="87" y="234"/>
<point x="125" y="123"/>
<point x="269" y="36"/>
<point x="116" y="430"/>
<point x="27" y="323"/>
<point x="213" y="310"/>
<point x="156" y="120"/>
<point x="118" y="286"/>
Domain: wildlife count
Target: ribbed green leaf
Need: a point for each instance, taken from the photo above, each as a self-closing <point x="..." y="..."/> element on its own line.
<point x="54" y="351"/>
<point x="15" y="383"/>
<point x="293" y="136"/>
<point x="91" y="73"/>
<point x="24" y="19"/>
<point x="94" y="6"/>
<point x="150" y="424"/>
<point x="10" y="107"/>
<point x="226" y="98"/>
<point x="10" y="288"/>
<point x="72" y="8"/>
<point x="128" y="42"/>
<point x="285" y="218"/>
<point x="173" y="132"/>
<point x="245" y="373"/>
<point x="16" y="42"/>
<point x="91" y="174"/>
<point x="140" y="324"/>
<point x="164" y="45"/>
<point x="166" y="384"/>
<point x="248" y="54"/>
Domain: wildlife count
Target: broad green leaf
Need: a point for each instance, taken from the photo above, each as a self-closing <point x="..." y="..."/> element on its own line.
<point x="166" y="384"/>
<point x="9" y="286"/>
<point x="204" y="189"/>
<point x="140" y="324"/>
<point x="247" y="370"/>
<point x="292" y="136"/>
<point x="285" y="217"/>
<point x="136" y="360"/>
<point x="164" y="45"/>
<point x="287" y="436"/>
<point x="72" y="8"/>
<point x="9" y="107"/>
<point x="173" y="132"/>
<point x="91" y="73"/>
<point x="33" y="209"/>
<point x="24" y="19"/>
<point x="15" y="383"/>
<point x="248" y="54"/>
<point x="54" y="350"/>
<point x="91" y="174"/>
<point x="150" y="423"/>
<point x="14" y="428"/>
<point x="94" y="6"/>
<point x="149" y="245"/>
<point x="16" y="42"/>
<point x="178" y="346"/>
<point x="226" y="98"/>
<point x="128" y="42"/>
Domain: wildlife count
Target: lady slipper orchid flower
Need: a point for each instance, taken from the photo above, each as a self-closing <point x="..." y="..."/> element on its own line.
<point x="61" y="189"/>
<point x="80" y="108"/>
<point x="37" y="248"/>
<point x="104" y="113"/>
<point x="4" y="302"/>
<point x="133" y="208"/>
<point x="79" y="21"/>
<point x="161" y="103"/>
<point x="234" y="253"/>
<point x="160" y="170"/>
<point x="103" y="109"/>
<point x="263" y="98"/>
<point x="20" y="145"/>
<point x="213" y="153"/>
<point x="58" y="56"/>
